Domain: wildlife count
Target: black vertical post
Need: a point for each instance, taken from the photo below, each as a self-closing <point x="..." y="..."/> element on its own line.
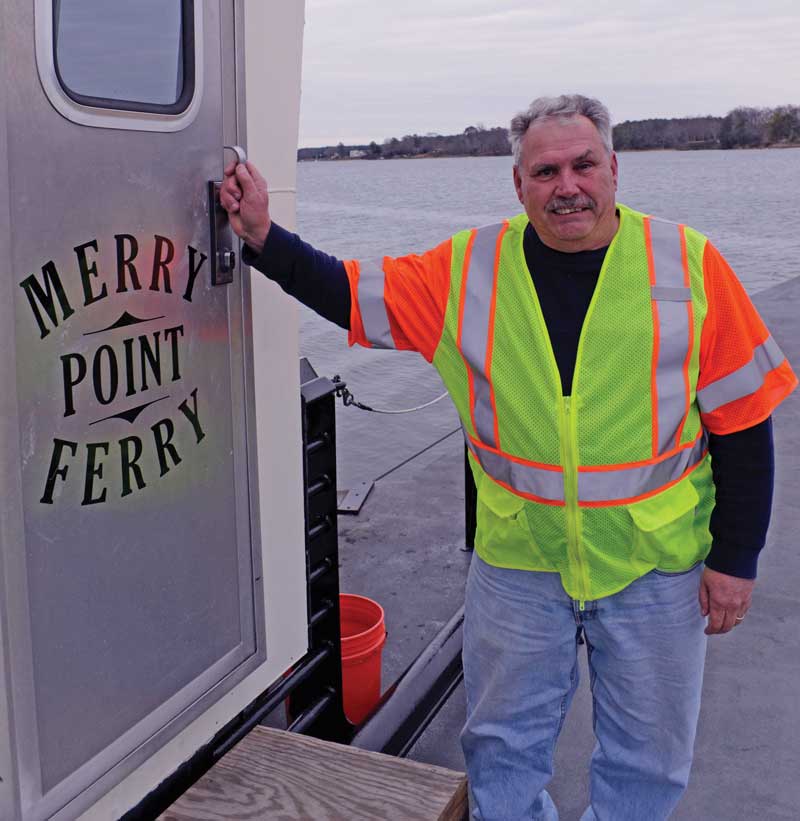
<point x="470" y="504"/>
<point x="320" y="698"/>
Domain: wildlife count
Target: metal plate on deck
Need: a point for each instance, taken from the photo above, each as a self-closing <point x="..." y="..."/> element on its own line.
<point x="351" y="501"/>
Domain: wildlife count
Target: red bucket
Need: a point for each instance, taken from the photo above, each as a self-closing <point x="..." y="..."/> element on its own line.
<point x="363" y="637"/>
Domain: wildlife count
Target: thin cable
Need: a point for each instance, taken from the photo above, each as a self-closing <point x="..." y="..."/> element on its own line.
<point x="349" y="399"/>
<point x="405" y="410"/>
<point x="418" y="453"/>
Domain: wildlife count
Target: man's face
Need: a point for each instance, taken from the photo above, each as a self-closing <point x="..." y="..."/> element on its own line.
<point x="566" y="180"/>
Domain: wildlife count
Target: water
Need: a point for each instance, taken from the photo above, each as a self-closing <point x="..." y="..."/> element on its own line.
<point x="747" y="202"/>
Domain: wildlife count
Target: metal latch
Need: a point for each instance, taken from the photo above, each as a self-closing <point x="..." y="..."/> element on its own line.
<point x="223" y="241"/>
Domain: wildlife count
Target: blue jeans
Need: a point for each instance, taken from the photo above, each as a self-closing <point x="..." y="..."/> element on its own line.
<point x="646" y="650"/>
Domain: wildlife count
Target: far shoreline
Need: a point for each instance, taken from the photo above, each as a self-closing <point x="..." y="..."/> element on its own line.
<point x="437" y="156"/>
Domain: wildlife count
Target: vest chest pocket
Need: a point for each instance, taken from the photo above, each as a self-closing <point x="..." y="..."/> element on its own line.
<point x="663" y="528"/>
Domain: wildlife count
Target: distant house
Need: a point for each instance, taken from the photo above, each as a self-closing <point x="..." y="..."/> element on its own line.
<point x="357" y="154"/>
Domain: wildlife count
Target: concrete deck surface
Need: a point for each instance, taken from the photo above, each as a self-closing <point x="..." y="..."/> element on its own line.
<point x="404" y="550"/>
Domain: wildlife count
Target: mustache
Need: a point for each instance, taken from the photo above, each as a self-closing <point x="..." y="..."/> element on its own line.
<point x="571" y="202"/>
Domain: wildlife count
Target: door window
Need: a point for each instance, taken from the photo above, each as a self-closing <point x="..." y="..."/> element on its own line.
<point x="134" y="64"/>
<point x="120" y="54"/>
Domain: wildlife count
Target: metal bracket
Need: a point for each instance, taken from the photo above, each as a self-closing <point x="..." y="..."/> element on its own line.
<point x="223" y="242"/>
<point x="351" y="501"/>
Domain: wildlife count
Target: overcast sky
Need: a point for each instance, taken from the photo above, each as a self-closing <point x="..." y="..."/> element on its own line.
<point x="374" y="69"/>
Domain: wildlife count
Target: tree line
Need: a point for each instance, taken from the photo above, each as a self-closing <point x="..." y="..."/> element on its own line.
<point x="742" y="127"/>
<point x="474" y="141"/>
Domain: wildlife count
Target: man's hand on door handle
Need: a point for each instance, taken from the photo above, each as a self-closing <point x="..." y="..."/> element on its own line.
<point x="244" y="196"/>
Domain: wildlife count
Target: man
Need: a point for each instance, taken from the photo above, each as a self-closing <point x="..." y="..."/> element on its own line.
<point x="596" y="356"/>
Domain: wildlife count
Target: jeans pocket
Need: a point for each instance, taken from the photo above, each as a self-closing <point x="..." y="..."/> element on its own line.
<point x="670" y="574"/>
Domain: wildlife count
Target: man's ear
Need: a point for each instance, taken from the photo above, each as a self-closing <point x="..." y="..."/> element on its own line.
<point x="518" y="183"/>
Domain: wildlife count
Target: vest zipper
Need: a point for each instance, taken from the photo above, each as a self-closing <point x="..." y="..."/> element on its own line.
<point x="572" y="405"/>
<point x="566" y="414"/>
<point x="571" y="507"/>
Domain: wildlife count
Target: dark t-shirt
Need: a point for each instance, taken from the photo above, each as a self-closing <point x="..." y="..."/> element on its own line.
<point x="742" y="462"/>
<point x="564" y="285"/>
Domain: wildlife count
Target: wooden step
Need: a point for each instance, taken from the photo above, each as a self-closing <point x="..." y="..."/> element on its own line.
<point x="272" y="775"/>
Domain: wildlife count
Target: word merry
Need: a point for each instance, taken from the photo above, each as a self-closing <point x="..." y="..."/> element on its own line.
<point x="48" y="294"/>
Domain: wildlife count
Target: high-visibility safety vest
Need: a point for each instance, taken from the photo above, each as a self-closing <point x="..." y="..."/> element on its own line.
<point x="615" y="480"/>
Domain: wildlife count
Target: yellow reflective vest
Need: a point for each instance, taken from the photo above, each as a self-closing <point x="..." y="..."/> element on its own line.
<point x="615" y="480"/>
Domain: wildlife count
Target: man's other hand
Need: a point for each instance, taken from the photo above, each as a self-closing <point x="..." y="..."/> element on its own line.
<point x="724" y="599"/>
<point x="244" y="196"/>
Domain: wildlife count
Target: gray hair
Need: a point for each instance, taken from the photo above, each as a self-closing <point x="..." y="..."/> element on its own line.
<point x="562" y="107"/>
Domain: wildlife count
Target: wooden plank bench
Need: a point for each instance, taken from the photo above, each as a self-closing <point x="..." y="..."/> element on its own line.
<point x="272" y="775"/>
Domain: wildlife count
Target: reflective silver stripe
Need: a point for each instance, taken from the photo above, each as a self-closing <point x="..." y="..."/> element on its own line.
<point x="671" y="294"/>
<point x="743" y="381"/>
<point x="616" y="485"/>
<point x="673" y="330"/>
<point x="372" y="305"/>
<point x="630" y="482"/>
<point x="541" y="482"/>
<point x="475" y="326"/>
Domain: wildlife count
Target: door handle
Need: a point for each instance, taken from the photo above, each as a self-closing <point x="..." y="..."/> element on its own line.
<point x="241" y="154"/>
<point x="223" y="241"/>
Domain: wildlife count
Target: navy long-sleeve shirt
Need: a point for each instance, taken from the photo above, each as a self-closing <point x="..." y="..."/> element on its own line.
<point x="742" y="463"/>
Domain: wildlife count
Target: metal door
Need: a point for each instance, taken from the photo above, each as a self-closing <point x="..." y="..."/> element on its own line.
<point x="131" y="566"/>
